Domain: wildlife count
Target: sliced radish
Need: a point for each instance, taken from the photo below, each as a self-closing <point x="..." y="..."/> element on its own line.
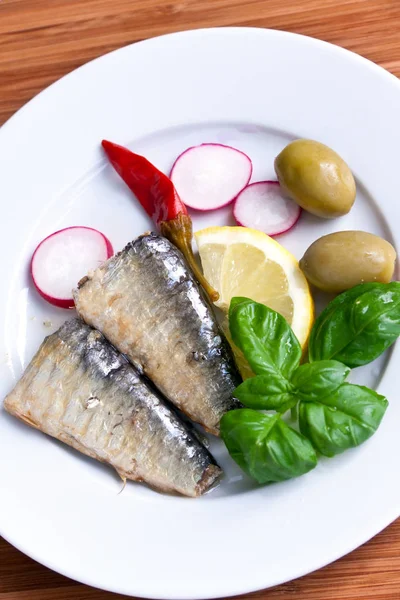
<point x="209" y="176"/>
<point x="263" y="206"/>
<point x="63" y="258"/>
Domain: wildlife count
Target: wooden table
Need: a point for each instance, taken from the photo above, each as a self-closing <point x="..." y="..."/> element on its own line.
<point x="41" y="40"/>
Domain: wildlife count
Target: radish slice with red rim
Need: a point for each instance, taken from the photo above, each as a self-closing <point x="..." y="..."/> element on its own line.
<point x="263" y="206"/>
<point x="63" y="258"/>
<point x="210" y="176"/>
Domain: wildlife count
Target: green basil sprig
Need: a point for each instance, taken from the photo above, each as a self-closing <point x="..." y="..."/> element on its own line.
<point x="333" y="415"/>
<point x="357" y="326"/>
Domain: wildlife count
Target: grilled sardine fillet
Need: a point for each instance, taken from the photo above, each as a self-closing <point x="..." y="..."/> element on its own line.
<point x="147" y="303"/>
<point x="80" y="390"/>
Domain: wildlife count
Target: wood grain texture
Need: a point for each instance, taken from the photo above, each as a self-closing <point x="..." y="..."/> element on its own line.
<point x="41" y="40"/>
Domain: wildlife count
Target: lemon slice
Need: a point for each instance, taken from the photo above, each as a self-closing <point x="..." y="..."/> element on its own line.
<point x="238" y="261"/>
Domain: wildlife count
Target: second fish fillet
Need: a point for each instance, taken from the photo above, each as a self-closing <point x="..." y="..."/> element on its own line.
<point x="80" y="390"/>
<point x="147" y="303"/>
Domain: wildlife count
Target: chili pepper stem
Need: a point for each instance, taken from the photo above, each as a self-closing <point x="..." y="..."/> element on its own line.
<point x="179" y="232"/>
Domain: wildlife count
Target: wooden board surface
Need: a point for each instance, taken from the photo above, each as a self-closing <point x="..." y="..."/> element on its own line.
<point x="41" y="40"/>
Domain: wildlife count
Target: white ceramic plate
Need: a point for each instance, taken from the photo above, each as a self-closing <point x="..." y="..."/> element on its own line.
<point x="254" y="89"/>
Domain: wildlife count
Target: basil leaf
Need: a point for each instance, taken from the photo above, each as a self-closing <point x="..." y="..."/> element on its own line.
<point x="266" y="392"/>
<point x="238" y="300"/>
<point x="358" y="325"/>
<point x="315" y="380"/>
<point x="322" y="323"/>
<point x="342" y="420"/>
<point x="265" y="338"/>
<point x="265" y="447"/>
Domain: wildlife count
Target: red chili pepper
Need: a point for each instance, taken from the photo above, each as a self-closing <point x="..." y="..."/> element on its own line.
<point x="158" y="196"/>
<point x="154" y="190"/>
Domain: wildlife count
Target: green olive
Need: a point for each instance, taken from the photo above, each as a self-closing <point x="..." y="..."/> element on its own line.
<point x="316" y="178"/>
<point x="341" y="260"/>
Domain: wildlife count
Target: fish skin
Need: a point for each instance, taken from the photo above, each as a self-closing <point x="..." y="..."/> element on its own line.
<point x="147" y="303"/>
<point x="80" y="390"/>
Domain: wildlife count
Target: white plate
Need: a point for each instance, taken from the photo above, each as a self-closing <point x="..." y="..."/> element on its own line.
<point x="254" y="89"/>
